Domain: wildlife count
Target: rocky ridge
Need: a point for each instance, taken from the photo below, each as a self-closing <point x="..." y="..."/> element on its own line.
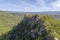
<point x="30" y="28"/>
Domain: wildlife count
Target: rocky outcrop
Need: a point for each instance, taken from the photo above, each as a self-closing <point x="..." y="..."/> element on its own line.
<point x="30" y="28"/>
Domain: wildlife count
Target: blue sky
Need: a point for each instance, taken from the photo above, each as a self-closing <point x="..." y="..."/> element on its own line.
<point x="30" y="5"/>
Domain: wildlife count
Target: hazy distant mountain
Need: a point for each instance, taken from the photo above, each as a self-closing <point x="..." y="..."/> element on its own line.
<point x="52" y="12"/>
<point x="45" y="12"/>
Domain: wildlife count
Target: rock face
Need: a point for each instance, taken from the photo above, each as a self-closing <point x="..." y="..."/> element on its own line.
<point x="30" y="28"/>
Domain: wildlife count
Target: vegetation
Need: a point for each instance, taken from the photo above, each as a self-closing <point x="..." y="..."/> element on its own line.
<point x="8" y="20"/>
<point x="11" y="28"/>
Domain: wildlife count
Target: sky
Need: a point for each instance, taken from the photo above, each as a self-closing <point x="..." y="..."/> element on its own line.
<point x="30" y="5"/>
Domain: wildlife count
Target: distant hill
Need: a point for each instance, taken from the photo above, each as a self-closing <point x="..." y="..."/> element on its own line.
<point x="53" y="14"/>
<point x="44" y="12"/>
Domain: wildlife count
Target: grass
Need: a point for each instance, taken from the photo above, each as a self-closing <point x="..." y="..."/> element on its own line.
<point x="7" y="21"/>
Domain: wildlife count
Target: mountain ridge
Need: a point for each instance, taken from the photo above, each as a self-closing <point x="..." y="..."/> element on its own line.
<point x="44" y="12"/>
<point x="30" y="28"/>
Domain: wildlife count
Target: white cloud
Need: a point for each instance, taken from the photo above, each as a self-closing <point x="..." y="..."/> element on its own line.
<point x="40" y="2"/>
<point x="29" y="7"/>
<point x="54" y="6"/>
<point x="56" y="3"/>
